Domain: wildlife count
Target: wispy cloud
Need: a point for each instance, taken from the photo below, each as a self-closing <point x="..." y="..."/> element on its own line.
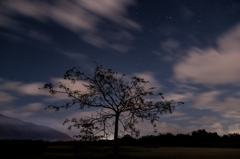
<point x="170" y="45"/>
<point x="163" y="127"/>
<point x="174" y="114"/>
<point x="81" y="17"/>
<point x="183" y="118"/>
<point x="26" y="111"/>
<point x="235" y="128"/>
<point x="212" y="65"/>
<point x="22" y="88"/>
<point x="6" y="97"/>
<point x="73" y="55"/>
<point x="208" y="120"/>
<point x="149" y="76"/>
<point x="31" y="89"/>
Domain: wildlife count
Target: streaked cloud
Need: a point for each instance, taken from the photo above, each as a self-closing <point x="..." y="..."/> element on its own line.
<point x="212" y="65"/>
<point x="215" y="127"/>
<point x="149" y="76"/>
<point x="81" y="17"/>
<point x="174" y="114"/>
<point x="208" y="120"/>
<point x="179" y="97"/>
<point x="228" y="107"/>
<point x="183" y="118"/>
<point x="32" y="107"/>
<point x="31" y="89"/>
<point x="39" y="36"/>
<point x="6" y="97"/>
<point x="235" y="128"/>
<point x="170" y="45"/>
<point x="26" y="111"/>
<point x="163" y="127"/>
<point x="22" y="88"/>
<point x="74" y="56"/>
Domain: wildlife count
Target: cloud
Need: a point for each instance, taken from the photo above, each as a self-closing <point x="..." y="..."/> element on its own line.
<point x="81" y="17"/>
<point x="6" y="97"/>
<point x="235" y="128"/>
<point x="185" y="13"/>
<point x="22" y="88"/>
<point x="228" y="107"/>
<point x="174" y="114"/>
<point x="206" y="99"/>
<point x="163" y="127"/>
<point x="39" y="36"/>
<point x="212" y="65"/>
<point x="179" y="97"/>
<point x="149" y="76"/>
<point x="207" y="120"/>
<point x="215" y="127"/>
<point x="31" y="89"/>
<point x="32" y="107"/>
<point x="5" y="22"/>
<point x="170" y="45"/>
<point x="183" y="118"/>
<point x="75" y="56"/>
<point x="110" y="9"/>
<point x="26" y="111"/>
<point x="62" y="96"/>
<point x="182" y="87"/>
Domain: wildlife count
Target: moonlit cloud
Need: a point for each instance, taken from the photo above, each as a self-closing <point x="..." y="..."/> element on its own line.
<point x="6" y="97"/>
<point x="170" y="45"/>
<point x="63" y="96"/>
<point x="31" y="89"/>
<point x="215" y="127"/>
<point x="174" y="114"/>
<point x="183" y="118"/>
<point x="235" y="128"/>
<point x="162" y="127"/>
<point x="206" y="99"/>
<point x="81" y="17"/>
<point x="179" y="97"/>
<point x="229" y="107"/>
<point x="208" y="120"/>
<point x="74" y="56"/>
<point x="32" y="107"/>
<point x="212" y="65"/>
<point x="39" y="36"/>
<point x="26" y="111"/>
<point x="149" y="76"/>
<point x="22" y="88"/>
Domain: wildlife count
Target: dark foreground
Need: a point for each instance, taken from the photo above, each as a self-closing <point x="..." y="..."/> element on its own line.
<point x="128" y="152"/>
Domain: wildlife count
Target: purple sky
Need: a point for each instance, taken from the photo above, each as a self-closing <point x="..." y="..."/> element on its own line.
<point x="189" y="50"/>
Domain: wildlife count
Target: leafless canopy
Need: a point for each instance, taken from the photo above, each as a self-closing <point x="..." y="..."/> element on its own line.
<point x="118" y="102"/>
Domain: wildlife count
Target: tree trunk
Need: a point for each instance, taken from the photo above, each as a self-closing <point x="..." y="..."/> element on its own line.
<point x="115" y="146"/>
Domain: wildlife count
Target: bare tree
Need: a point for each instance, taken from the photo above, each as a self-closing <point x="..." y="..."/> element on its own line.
<point x="117" y="102"/>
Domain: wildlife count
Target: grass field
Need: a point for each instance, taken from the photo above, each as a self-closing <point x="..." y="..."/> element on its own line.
<point x="65" y="152"/>
<point x="185" y="153"/>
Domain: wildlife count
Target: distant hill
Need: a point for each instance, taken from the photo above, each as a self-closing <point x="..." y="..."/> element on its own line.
<point x="13" y="128"/>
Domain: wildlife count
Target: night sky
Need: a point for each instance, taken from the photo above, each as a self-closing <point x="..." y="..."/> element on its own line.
<point x="189" y="50"/>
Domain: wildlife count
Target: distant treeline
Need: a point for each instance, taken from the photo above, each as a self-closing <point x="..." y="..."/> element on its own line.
<point x="199" y="138"/>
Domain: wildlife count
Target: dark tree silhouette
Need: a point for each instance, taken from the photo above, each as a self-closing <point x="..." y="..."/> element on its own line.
<point x="114" y="98"/>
